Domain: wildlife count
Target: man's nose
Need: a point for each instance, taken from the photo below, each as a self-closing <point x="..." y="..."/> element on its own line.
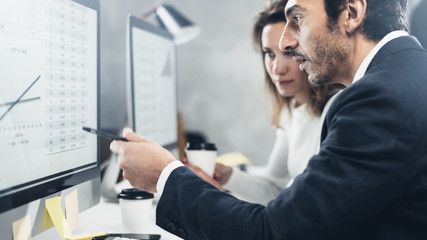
<point x="287" y="40"/>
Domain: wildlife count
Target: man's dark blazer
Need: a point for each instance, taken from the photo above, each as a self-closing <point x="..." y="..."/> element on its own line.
<point x="369" y="180"/>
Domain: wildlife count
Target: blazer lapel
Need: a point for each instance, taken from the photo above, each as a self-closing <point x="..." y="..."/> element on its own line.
<point x="396" y="45"/>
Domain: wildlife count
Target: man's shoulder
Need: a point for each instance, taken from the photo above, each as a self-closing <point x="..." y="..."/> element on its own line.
<point x="391" y="91"/>
<point x="398" y="74"/>
<point x="399" y="56"/>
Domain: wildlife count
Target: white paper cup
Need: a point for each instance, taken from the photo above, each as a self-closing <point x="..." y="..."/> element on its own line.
<point x="203" y="155"/>
<point x="135" y="207"/>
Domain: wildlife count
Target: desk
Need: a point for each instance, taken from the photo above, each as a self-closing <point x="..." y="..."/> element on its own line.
<point x="106" y="218"/>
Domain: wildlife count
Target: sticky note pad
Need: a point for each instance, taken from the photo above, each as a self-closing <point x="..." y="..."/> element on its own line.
<point x="53" y="206"/>
<point x="72" y="210"/>
<point x="22" y="229"/>
<point x="88" y="236"/>
<point x="46" y="221"/>
<point x="232" y="159"/>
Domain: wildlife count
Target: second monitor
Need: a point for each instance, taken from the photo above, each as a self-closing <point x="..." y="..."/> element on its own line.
<point x="152" y="82"/>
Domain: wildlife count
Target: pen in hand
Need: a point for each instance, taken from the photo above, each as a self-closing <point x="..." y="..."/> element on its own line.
<point x="104" y="134"/>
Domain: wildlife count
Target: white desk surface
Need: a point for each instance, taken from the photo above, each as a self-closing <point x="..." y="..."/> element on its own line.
<point x="106" y="218"/>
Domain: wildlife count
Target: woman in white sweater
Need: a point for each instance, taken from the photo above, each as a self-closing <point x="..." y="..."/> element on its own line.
<point x="296" y="113"/>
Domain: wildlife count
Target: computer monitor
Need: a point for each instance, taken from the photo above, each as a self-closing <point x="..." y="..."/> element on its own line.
<point x="49" y="78"/>
<point x="152" y="84"/>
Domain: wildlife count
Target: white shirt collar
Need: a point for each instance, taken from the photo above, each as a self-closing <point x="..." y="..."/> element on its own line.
<point x="364" y="66"/>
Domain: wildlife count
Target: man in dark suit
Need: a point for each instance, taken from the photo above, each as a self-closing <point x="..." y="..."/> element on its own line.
<point x="369" y="180"/>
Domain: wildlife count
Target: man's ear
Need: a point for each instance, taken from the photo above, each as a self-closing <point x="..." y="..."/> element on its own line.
<point x="355" y="13"/>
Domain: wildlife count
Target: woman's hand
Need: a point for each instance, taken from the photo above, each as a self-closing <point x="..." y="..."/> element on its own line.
<point x="222" y="173"/>
<point x="203" y="175"/>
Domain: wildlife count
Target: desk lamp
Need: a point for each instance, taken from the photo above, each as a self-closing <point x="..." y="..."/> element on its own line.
<point x="174" y="22"/>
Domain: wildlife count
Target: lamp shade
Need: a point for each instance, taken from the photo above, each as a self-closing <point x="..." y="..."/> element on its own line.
<point x="179" y="26"/>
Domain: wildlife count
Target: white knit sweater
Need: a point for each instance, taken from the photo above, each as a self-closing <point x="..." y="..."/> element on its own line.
<point x="297" y="140"/>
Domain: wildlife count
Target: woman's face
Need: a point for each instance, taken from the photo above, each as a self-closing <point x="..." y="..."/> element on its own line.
<point x="283" y="71"/>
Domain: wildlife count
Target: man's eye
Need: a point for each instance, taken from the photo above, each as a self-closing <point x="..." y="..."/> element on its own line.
<point x="297" y="19"/>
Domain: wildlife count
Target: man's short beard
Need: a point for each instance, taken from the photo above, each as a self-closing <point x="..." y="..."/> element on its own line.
<point x="336" y="53"/>
<point x="316" y="79"/>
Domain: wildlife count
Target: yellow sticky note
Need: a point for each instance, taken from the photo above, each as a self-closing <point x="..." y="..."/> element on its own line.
<point x="53" y="206"/>
<point x="72" y="210"/>
<point x="88" y="236"/>
<point x="46" y="221"/>
<point x="22" y="229"/>
<point x="232" y="159"/>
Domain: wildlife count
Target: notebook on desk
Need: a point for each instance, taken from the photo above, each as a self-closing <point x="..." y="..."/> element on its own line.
<point x="128" y="236"/>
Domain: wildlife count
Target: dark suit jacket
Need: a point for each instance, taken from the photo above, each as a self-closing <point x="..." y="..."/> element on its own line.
<point x="369" y="180"/>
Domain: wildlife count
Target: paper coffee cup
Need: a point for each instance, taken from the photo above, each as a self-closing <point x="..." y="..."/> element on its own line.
<point x="203" y="155"/>
<point x="135" y="206"/>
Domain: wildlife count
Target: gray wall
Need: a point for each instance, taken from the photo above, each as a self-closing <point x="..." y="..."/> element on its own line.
<point x="220" y="76"/>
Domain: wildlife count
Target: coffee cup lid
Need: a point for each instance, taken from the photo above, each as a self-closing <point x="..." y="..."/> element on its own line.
<point x="134" y="194"/>
<point x="201" y="146"/>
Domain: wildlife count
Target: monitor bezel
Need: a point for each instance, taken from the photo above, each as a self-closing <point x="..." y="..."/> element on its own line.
<point x="135" y="22"/>
<point x="19" y="196"/>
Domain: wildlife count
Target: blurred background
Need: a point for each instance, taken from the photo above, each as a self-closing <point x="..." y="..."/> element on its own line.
<point x="220" y="76"/>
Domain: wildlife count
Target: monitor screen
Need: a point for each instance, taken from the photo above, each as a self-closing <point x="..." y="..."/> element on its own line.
<point x="152" y="82"/>
<point x="49" y="80"/>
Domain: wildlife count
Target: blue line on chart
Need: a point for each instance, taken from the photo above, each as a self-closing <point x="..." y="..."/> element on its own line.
<point x="21" y="101"/>
<point x="19" y="98"/>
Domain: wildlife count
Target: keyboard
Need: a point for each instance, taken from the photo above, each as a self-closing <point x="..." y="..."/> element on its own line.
<point x="128" y="236"/>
